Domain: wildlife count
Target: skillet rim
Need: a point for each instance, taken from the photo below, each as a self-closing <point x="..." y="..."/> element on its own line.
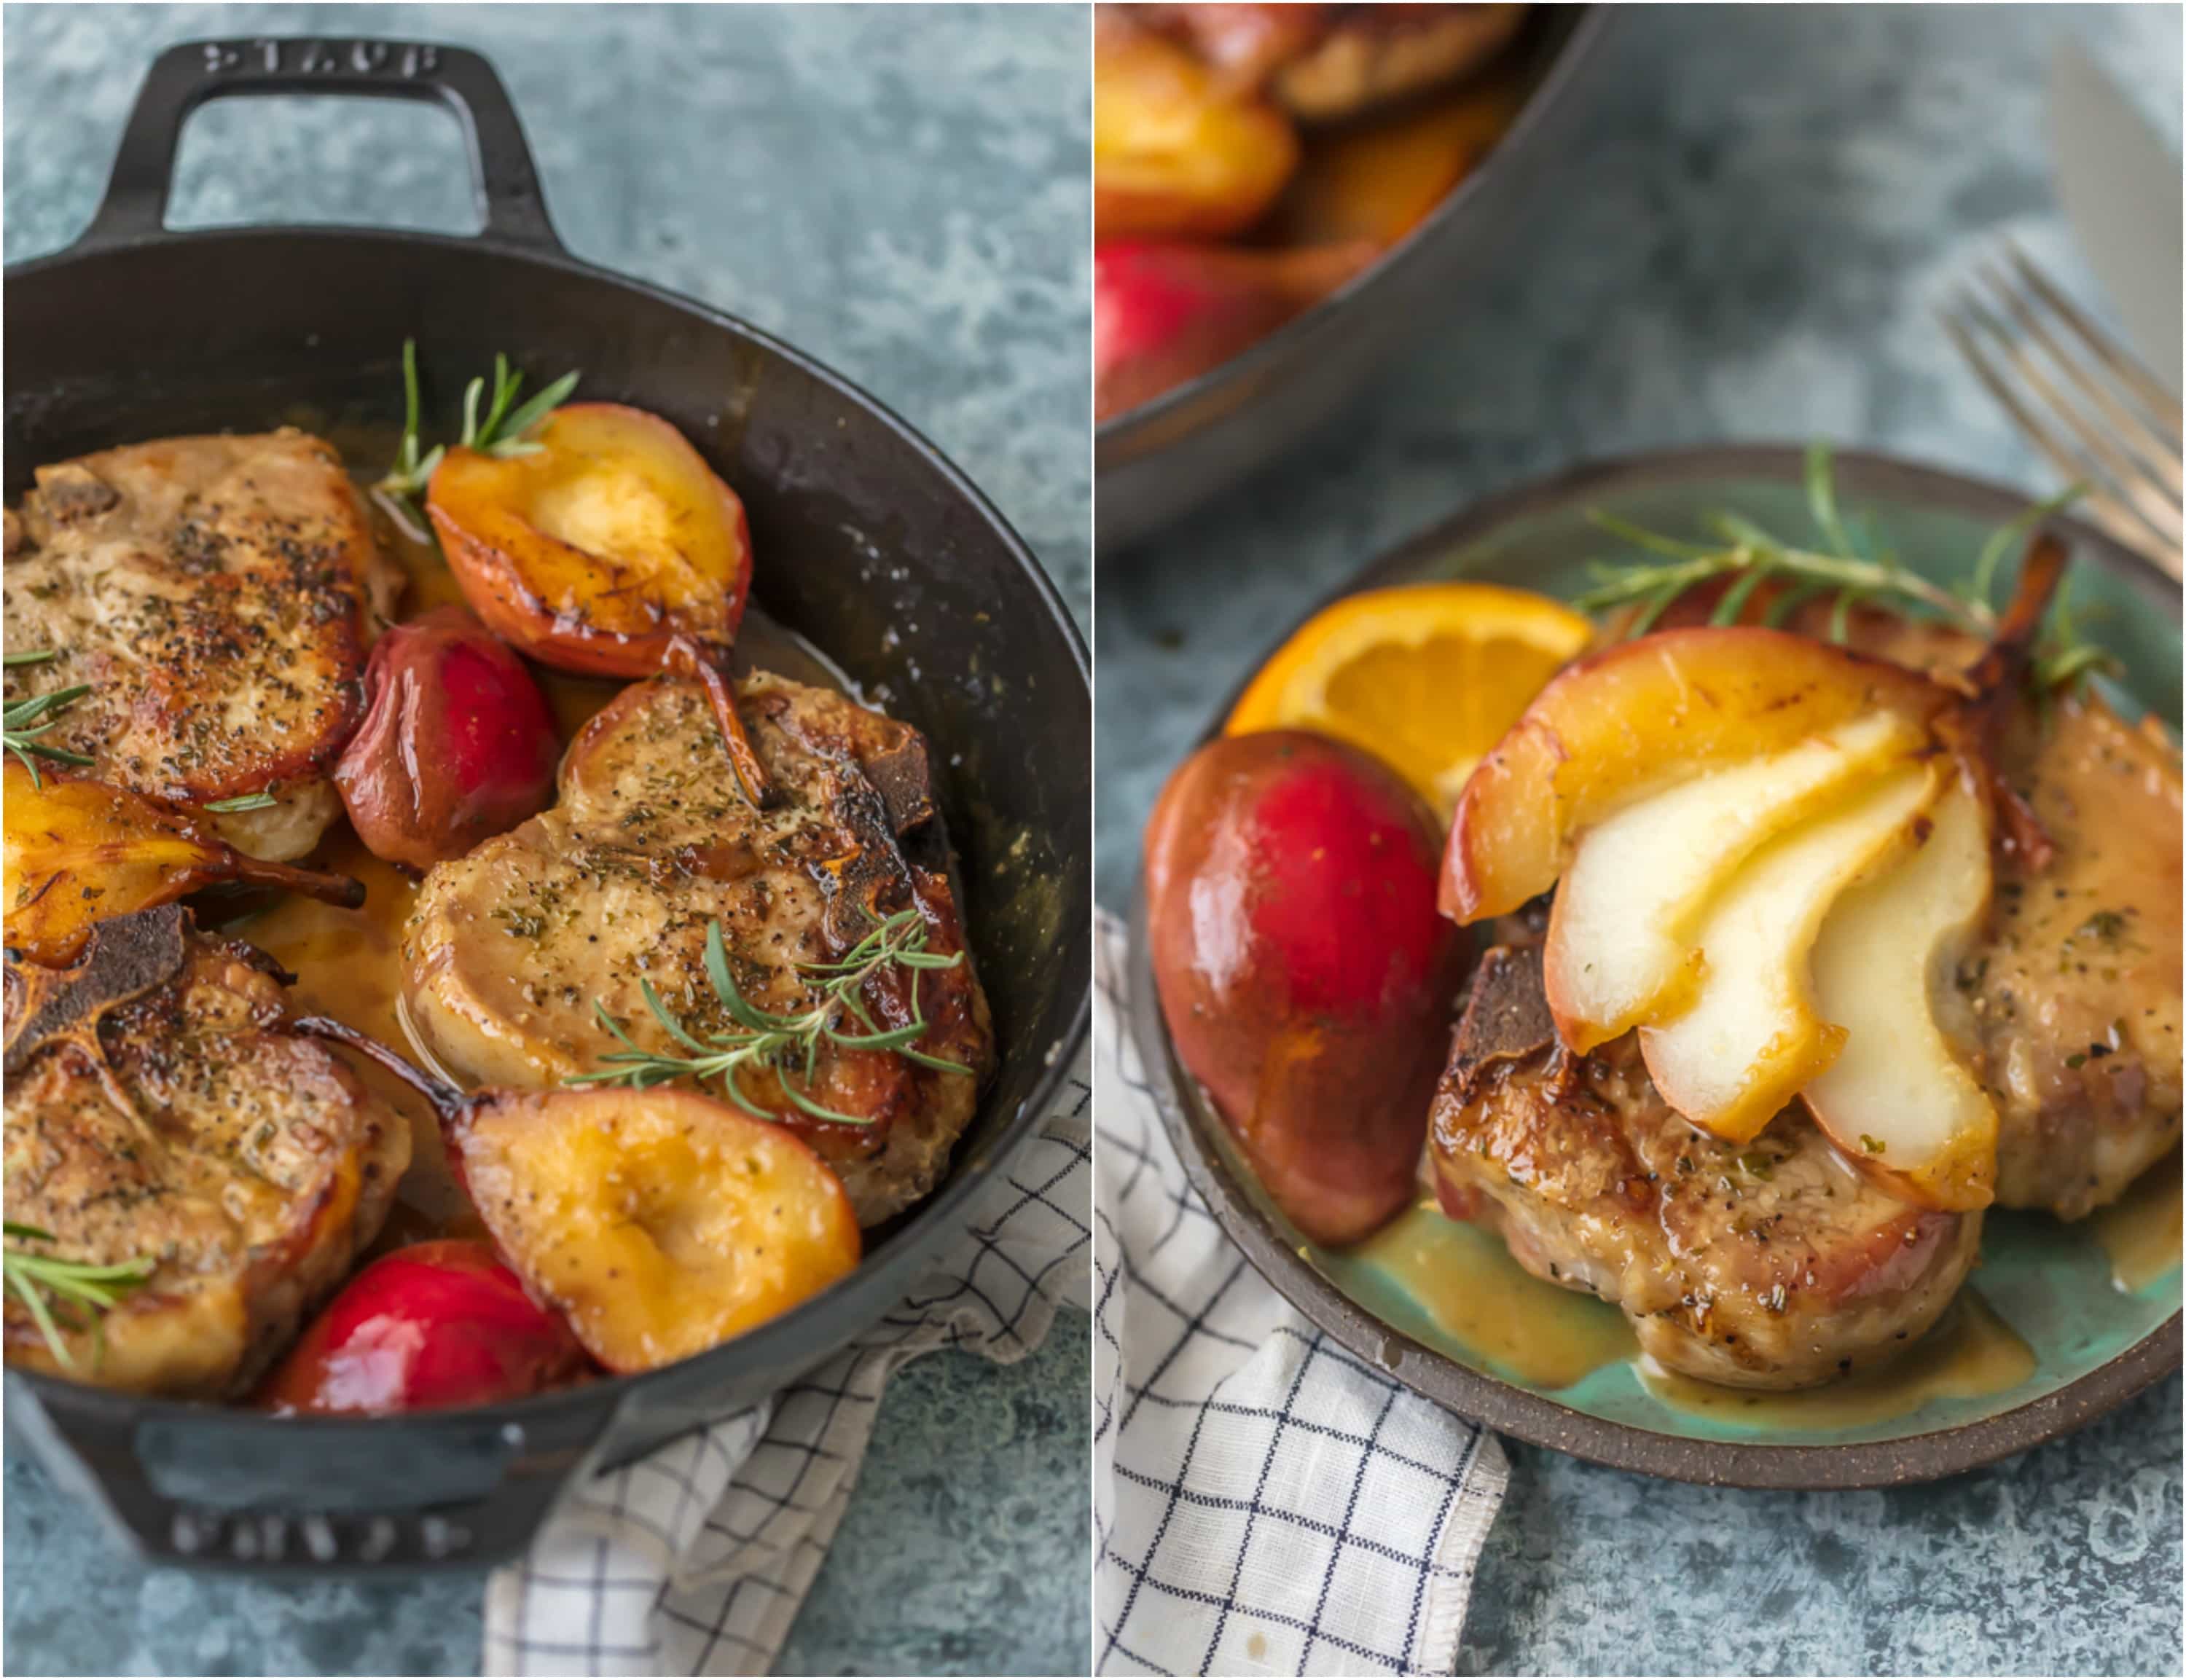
<point x="1479" y="1395"/>
<point x="1118" y="440"/>
<point x="927" y="1225"/>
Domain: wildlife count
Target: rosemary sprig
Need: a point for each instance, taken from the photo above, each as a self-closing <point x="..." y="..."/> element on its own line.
<point x="22" y="722"/>
<point x="503" y="433"/>
<point x="1750" y="555"/>
<point x="784" y="1043"/>
<point x="241" y="802"/>
<point x="56" y="1290"/>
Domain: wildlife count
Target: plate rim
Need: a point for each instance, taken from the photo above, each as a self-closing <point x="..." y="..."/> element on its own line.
<point x="1491" y="1400"/>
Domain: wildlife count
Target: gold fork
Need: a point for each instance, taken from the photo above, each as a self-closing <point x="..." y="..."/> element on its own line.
<point x="2093" y="412"/>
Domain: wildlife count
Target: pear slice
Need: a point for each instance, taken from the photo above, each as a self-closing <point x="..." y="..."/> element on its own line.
<point x="1899" y="1099"/>
<point x="1750" y="1038"/>
<point x="1623" y="725"/>
<point x="1620" y="950"/>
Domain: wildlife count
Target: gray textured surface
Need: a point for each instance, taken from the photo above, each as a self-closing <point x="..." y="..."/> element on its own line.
<point x="900" y="191"/>
<point x="1762" y="209"/>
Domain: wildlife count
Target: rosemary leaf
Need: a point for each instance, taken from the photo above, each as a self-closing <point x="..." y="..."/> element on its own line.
<point x="1732" y="607"/>
<point x="44" y="1281"/>
<point x="513" y="428"/>
<point x="788" y="1045"/>
<point x="1822" y="500"/>
<point x="1981" y="586"/>
<point x="820" y="1111"/>
<point x="1639" y="537"/>
<point x="22" y="722"/>
<point x="675" y="1028"/>
<point x="1790" y="602"/>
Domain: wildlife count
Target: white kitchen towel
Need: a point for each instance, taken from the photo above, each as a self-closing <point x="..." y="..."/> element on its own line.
<point x="694" y="1560"/>
<point x="1264" y="1502"/>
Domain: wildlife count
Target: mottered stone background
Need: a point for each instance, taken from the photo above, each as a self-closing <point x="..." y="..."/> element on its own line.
<point x="1746" y="239"/>
<point x="901" y="191"/>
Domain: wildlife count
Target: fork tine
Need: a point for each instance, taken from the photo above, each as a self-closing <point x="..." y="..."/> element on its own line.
<point x="2145" y="385"/>
<point x="2157" y="455"/>
<point x="2099" y="505"/>
<point x="2126" y="479"/>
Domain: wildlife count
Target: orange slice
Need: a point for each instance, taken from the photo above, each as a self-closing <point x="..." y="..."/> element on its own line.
<point x="1428" y="676"/>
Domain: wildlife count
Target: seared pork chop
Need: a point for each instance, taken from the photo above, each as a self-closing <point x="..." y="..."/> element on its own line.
<point x="2076" y="988"/>
<point x="510" y="948"/>
<point x="158" y="1106"/>
<point x="1774" y="1263"/>
<point x="217" y="594"/>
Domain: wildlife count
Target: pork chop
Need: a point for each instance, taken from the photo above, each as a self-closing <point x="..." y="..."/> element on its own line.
<point x="510" y="948"/>
<point x="2075" y="987"/>
<point x="218" y="595"/>
<point x="1774" y="1263"/>
<point x="158" y="1108"/>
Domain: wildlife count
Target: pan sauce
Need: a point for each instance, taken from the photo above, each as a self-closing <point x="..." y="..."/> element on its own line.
<point x="2140" y="1231"/>
<point x="348" y="963"/>
<point x="1486" y="1308"/>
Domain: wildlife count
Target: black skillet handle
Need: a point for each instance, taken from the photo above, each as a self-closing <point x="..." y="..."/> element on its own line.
<point x="219" y="1489"/>
<point x="186" y="77"/>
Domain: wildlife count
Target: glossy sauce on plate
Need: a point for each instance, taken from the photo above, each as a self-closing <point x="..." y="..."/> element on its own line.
<point x="1469" y="1299"/>
<point x="2140" y="1231"/>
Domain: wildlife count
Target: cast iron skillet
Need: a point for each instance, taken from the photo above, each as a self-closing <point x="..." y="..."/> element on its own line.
<point x="1244" y="1213"/>
<point x="868" y="541"/>
<point x="1160" y="459"/>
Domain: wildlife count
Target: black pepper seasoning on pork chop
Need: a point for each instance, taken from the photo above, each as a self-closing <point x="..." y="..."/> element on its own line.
<point x="158" y="1107"/>
<point x="218" y="595"/>
<point x="651" y="839"/>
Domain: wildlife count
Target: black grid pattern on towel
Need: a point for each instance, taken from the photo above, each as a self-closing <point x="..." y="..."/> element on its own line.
<point x="693" y="1560"/>
<point x="1283" y="1515"/>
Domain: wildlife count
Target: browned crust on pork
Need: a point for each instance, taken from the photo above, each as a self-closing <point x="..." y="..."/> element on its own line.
<point x="191" y="1127"/>
<point x="214" y="591"/>
<point x="1774" y="1263"/>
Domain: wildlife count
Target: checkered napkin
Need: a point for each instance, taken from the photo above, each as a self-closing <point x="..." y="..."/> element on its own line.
<point x="1265" y="1502"/>
<point x="694" y="1560"/>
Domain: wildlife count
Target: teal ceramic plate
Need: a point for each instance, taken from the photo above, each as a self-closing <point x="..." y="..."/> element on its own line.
<point x="2046" y="1336"/>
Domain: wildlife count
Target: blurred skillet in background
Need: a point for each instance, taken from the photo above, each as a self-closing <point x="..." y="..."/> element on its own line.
<point x="887" y="558"/>
<point x="1161" y="449"/>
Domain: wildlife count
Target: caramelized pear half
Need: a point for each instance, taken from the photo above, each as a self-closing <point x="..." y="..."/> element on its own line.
<point x="660" y="1223"/>
<point x="593" y="551"/>
<point x="79" y="853"/>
